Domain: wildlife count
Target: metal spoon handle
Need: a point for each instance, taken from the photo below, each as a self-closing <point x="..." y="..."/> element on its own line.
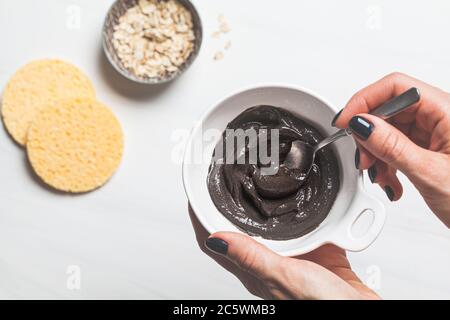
<point x="397" y="104"/>
<point x="330" y="139"/>
<point x="385" y="111"/>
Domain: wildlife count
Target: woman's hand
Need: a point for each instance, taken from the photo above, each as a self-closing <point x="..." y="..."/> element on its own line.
<point x="416" y="141"/>
<point x="322" y="274"/>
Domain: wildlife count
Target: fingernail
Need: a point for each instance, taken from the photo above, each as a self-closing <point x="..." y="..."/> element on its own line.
<point x="333" y="123"/>
<point x="389" y="193"/>
<point x="357" y="159"/>
<point x="372" y="173"/>
<point x="361" y="127"/>
<point x="217" y="245"/>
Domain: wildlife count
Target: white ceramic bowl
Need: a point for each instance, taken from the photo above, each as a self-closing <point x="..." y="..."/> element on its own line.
<point x="352" y="201"/>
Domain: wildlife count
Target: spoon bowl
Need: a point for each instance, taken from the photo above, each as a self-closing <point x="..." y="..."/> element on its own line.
<point x="300" y="157"/>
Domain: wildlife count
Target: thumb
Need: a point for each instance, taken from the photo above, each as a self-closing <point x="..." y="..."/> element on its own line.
<point x="246" y="253"/>
<point x="390" y="145"/>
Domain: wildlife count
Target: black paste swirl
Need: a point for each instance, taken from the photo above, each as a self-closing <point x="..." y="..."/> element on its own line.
<point x="283" y="206"/>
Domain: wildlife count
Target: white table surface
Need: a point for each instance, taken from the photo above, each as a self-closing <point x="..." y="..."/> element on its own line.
<point x="119" y="235"/>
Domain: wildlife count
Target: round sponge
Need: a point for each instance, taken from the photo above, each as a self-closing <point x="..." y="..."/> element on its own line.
<point x="37" y="85"/>
<point x="76" y="145"/>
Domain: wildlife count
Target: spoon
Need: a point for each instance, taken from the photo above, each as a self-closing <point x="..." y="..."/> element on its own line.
<point x="301" y="155"/>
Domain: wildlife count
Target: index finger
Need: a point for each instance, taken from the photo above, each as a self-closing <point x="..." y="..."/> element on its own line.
<point x="381" y="91"/>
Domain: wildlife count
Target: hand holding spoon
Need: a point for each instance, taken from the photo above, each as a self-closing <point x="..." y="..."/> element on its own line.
<point x="301" y="155"/>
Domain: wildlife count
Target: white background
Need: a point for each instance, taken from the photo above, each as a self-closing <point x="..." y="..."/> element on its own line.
<point x="133" y="238"/>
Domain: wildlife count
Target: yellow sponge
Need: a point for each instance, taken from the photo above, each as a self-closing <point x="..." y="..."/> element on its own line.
<point x="75" y="145"/>
<point x="37" y="85"/>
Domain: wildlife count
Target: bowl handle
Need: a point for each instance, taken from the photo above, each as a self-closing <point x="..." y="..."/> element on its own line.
<point x="345" y="238"/>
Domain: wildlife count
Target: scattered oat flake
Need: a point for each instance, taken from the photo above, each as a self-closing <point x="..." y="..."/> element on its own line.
<point x="216" y="34"/>
<point x="218" y="56"/>
<point x="225" y="28"/>
<point x="222" y="28"/>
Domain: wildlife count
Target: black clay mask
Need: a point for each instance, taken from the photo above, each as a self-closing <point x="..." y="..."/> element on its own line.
<point x="278" y="204"/>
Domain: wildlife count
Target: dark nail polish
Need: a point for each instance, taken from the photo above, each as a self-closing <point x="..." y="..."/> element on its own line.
<point x="389" y="192"/>
<point x="357" y="159"/>
<point x="217" y="245"/>
<point x="372" y="173"/>
<point x="361" y="127"/>
<point x="333" y="123"/>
